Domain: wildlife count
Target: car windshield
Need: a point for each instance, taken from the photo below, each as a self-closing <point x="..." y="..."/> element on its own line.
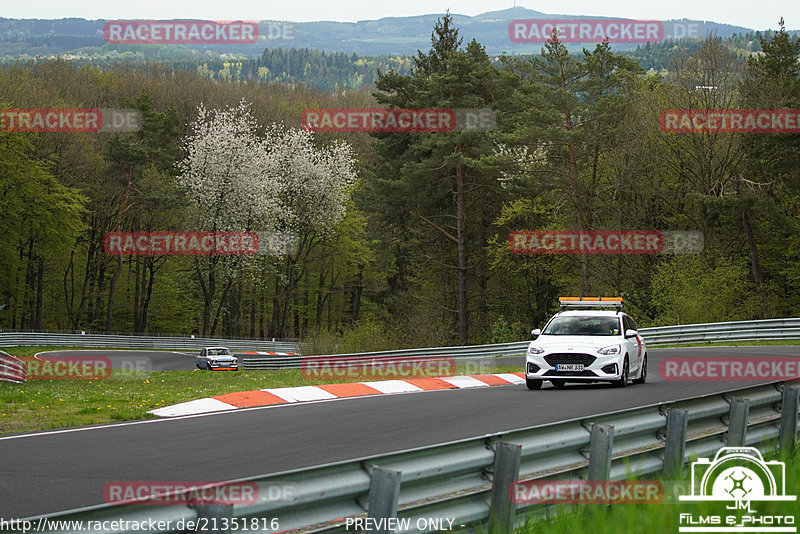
<point x="218" y="352"/>
<point x="583" y="326"/>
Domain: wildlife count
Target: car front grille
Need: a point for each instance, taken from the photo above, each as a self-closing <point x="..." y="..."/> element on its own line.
<point x="585" y="372"/>
<point x="563" y="358"/>
<point x="553" y="372"/>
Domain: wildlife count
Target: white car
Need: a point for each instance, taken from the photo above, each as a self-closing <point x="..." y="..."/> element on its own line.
<point x="587" y="345"/>
<point x="217" y="359"/>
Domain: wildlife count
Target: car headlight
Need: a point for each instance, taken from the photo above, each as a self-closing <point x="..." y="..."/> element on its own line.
<point x="610" y="350"/>
<point x="533" y="349"/>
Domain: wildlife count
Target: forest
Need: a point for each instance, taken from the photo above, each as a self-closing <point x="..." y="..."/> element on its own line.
<point x="401" y="239"/>
<point x="326" y="71"/>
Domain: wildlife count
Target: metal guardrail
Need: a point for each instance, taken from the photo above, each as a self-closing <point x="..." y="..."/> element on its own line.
<point x="468" y="480"/>
<point x="14" y="339"/>
<point x="727" y="331"/>
<point x="298" y="361"/>
<point x="85" y="331"/>
<point x="12" y="369"/>
<point x="469" y="351"/>
<point x="730" y="331"/>
<point x="660" y="335"/>
<point x="788" y="322"/>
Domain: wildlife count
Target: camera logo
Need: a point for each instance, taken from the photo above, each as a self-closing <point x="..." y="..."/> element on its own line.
<point x="737" y="476"/>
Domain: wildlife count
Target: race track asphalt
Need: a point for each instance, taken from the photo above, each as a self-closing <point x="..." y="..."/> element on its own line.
<point x="134" y="360"/>
<point x="52" y="471"/>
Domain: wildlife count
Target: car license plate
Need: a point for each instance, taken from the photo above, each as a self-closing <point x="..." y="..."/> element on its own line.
<point x="569" y="367"/>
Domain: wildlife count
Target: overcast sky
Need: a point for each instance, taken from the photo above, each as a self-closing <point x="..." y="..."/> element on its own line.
<point x="762" y="14"/>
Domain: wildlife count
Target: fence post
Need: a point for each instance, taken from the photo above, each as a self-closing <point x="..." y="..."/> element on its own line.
<point x="737" y="422"/>
<point x="601" y="444"/>
<point x="212" y="517"/>
<point x="384" y="493"/>
<point x="506" y="472"/>
<point x="788" y="432"/>
<point x="674" y="449"/>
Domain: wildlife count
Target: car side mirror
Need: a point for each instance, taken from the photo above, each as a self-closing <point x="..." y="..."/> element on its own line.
<point x="536" y="332"/>
<point x="630" y="332"/>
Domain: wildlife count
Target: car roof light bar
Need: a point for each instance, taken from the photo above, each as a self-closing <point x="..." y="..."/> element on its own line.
<point x="591" y="302"/>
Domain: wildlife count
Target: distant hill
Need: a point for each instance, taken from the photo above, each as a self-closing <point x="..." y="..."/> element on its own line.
<point x="389" y="36"/>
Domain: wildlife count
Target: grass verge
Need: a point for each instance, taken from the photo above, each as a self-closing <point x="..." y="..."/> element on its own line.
<point x="128" y="395"/>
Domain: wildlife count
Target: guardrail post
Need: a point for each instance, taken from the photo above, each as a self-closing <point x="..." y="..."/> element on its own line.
<point x="384" y="493"/>
<point x="674" y="449"/>
<point x="601" y="444"/>
<point x="211" y="517"/>
<point x="788" y="432"/>
<point x="737" y="422"/>
<point x="506" y="472"/>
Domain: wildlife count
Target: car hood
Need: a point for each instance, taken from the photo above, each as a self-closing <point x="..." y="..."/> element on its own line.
<point x="577" y="343"/>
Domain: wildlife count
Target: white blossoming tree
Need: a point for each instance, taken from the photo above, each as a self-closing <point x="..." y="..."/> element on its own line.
<point x="273" y="182"/>
<point x="314" y="188"/>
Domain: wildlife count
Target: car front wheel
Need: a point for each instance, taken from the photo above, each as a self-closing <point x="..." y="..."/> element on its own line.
<point x="623" y="381"/>
<point x="533" y="384"/>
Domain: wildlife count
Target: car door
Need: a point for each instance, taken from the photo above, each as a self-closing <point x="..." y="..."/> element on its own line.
<point x="633" y="346"/>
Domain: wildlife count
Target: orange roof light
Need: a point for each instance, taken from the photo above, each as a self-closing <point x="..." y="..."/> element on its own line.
<point x="591" y="301"/>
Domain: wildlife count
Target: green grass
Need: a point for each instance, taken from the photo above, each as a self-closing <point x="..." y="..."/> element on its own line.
<point x="128" y="395"/>
<point x="653" y="518"/>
